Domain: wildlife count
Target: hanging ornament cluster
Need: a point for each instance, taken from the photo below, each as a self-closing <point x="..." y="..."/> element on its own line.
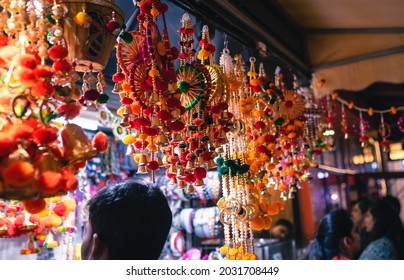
<point x="39" y="59"/>
<point x="259" y="135"/>
<point x="362" y="126"/>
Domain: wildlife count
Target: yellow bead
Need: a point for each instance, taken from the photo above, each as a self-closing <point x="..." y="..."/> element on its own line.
<point x="120" y="111"/>
<point x="82" y="18"/>
<point x="128" y="139"/>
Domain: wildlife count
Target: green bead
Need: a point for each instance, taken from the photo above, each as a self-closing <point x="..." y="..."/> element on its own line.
<point x="279" y="121"/>
<point x="50" y="18"/>
<point x="183" y="86"/>
<point x="127" y="37"/>
<point x="103" y="98"/>
<point x="244" y="168"/>
<point x="219" y="161"/>
<point x="224" y="170"/>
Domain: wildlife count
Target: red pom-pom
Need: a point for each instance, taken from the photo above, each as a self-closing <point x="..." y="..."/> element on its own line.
<point x="57" y="52"/>
<point x="182" y="110"/>
<point x="19" y="174"/>
<point x="69" y="111"/>
<point x="223" y="106"/>
<point x="70" y="182"/>
<point x="161" y="85"/>
<point x="42" y="89"/>
<point x="148" y="111"/>
<point x="170" y="76"/>
<point x="49" y="181"/>
<point x="151" y="131"/>
<point x="161" y="7"/>
<point x="203" y="42"/>
<point x="34" y="206"/>
<point x="25" y="60"/>
<point x="19" y="220"/>
<point x="3" y="40"/>
<point x="200" y="173"/>
<point x="140" y="144"/>
<point x="164" y="115"/>
<point x="7" y="144"/>
<point x="43" y="72"/>
<point x="197" y="121"/>
<point x="175" y="53"/>
<point x="91" y="94"/>
<point x="45" y="135"/>
<point x="25" y="76"/>
<point x="62" y="66"/>
<point x="270" y="138"/>
<point x="207" y="156"/>
<point x="173" y="102"/>
<point x="152" y="165"/>
<point x="144" y="121"/>
<point x="60" y="209"/>
<point x="126" y="101"/>
<point x="177" y="126"/>
<point x="262" y="149"/>
<point x="118" y="77"/>
<point x="215" y="109"/>
<point x="259" y="125"/>
<point x="100" y="142"/>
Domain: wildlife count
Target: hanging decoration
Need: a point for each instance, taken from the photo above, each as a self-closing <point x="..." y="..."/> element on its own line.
<point x="40" y="57"/>
<point x="363" y="126"/>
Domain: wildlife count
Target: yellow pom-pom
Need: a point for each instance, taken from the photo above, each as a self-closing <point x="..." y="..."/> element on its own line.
<point x="154" y="72"/>
<point x="152" y="148"/>
<point x="203" y="54"/>
<point x="126" y="87"/>
<point x="154" y="12"/>
<point x="251" y="74"/>
<point x="143" y="137"/>
<point x="255" y="82"/>
<point x="334" y="95"/>
<point x="82" y="18"/>
<point x="128" y="139"/>
<point x="351" y="105"/>
<point x="393" y="110"/>
<point x="370" y="111"/>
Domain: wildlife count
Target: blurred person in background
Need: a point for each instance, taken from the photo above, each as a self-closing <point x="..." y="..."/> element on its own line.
<point x="358" y="213"/>
<point x="337" y="238"/>
<point x="386" y="232"/>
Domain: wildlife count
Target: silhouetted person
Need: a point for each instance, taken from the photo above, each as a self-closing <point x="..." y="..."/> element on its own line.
<point x="127" y="221"/>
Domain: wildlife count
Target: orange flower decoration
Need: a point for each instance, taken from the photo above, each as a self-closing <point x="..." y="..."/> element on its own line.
<point x="292" y="106"/>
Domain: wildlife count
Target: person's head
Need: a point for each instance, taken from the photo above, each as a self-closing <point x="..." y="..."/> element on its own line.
<point x="382" y="219"/>
<point x="359" y="210"/>
<point x="337" y="236"/>
<point x="127" y="221"/>
<point x="282" y="230"/>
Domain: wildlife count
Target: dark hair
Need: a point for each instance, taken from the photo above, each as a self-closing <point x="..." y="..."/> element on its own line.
<point x="333" y="227"/>
<point x="394" y="202"/>
<point x="132" y="219"/>
<point x="287" y="224"/>
<point x="364" y="204"/>
<point x="387" y="223"/>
